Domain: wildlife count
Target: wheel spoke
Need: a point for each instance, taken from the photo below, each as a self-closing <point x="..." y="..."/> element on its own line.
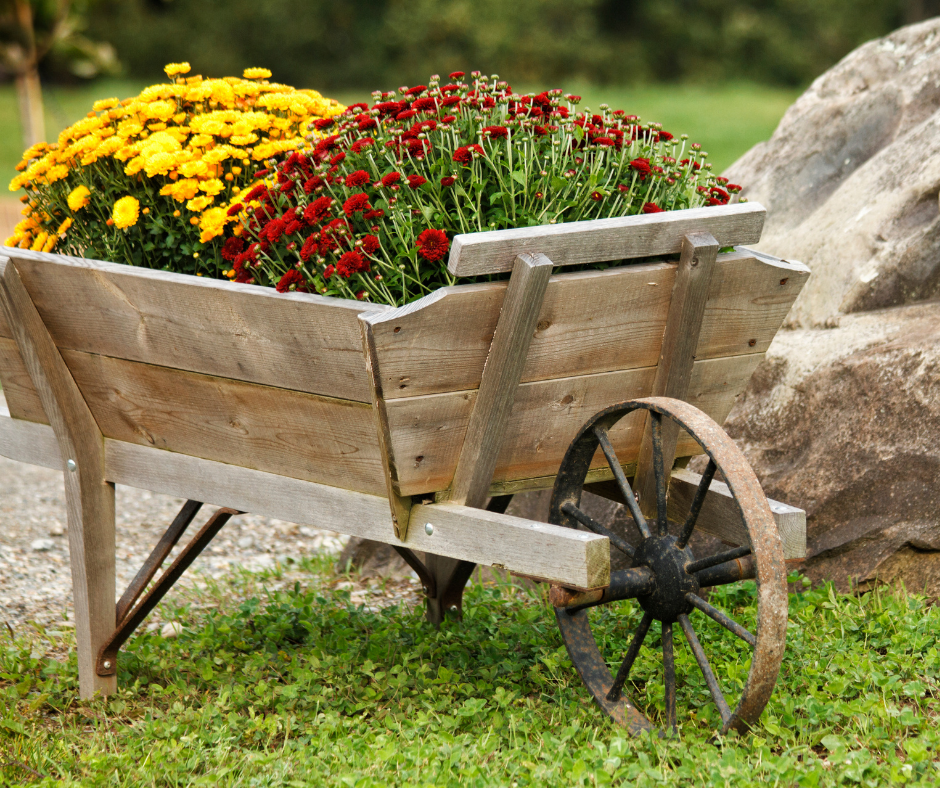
<point x="589" y="522"/>
<point x="705" y="667"/>
<point x="656" y="426"/>
<point x="697" y="502"/>
<point x="669" y="676"/>
<point x="730" y="572"/>
<point x="621" y="478"/>
<point x="624" y="584"/>
<point x="720" y="558"/>
<point x="728" y="623"/>
<point x="620" y="679"/>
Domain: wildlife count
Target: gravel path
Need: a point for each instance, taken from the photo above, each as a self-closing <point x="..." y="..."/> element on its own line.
<point x="35" y="582"/>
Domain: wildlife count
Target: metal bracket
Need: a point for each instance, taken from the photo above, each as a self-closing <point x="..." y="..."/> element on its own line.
<point x="130" y="612"/>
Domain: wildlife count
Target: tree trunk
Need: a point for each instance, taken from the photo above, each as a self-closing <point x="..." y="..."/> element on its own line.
<point x="29" y="94"/>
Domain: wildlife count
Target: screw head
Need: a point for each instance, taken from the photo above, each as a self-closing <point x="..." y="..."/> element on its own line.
<point x="107" y="663"/>
<point x="72" y="465"/>
<point x="428" y="529"/>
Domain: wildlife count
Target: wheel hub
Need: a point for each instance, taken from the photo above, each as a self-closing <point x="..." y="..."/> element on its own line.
<point x="668" y="564"/>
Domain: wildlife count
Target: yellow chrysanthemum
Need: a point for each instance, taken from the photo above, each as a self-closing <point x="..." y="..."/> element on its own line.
<point x="39" y="241"/>
<point x="197" y="204"/>
<point x="78" y="198"/>
<point x="64" y="227"/>
<point x="102" y="104"/>
<point x="256" y="73"/>
<point x="172" y="69"/>
<point x="126" y="212"/>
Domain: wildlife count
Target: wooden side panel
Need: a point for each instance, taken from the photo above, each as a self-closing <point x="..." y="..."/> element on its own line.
<point x="284" y="432"/>
<point x="243" y="332"/>
<point x="428" y="432"/>
<point x="21" y="395"/>
<point x="590" y="322"/>
<point x="24" y="441"/>
<point x="620" y="238"/>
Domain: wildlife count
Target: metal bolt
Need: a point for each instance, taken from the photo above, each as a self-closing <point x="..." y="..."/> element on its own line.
<point x="453" y="609"/>
<point x="428" y="529"/>
<point x="72" y="465"/>
<point x="107" y="663"/>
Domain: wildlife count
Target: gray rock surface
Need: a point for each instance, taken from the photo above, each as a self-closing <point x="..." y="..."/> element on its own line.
<point x="851" y="178"/>
<point x="843" y="416"/>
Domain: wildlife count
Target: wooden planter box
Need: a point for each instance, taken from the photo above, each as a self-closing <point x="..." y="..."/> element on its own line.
<point x="324" y="411"/>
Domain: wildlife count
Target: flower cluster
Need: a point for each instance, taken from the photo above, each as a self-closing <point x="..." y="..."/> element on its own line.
<point x="370" y="208"/>
<point x="149" y="180"/>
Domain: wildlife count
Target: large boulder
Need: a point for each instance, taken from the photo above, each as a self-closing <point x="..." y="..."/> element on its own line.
<point x="843" y="416"/>
<point x="850" y="179"/>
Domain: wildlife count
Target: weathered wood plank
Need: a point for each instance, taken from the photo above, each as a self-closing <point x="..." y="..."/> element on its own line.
<point x="621" y="238"/>
<point x="493" y="403"/>
<point x="399" y="505"/>
<point x="427" y="432"/>
<point x="590" y="322"/>
<point x="243" y="332"/>
<point x="320" y="439"/>
<point x="676" y="356"/>
<point x="21" y="396"/>
<point x="89" y="498"/>
<point x="560" y="555"/>
<point x="720" y="517"/>
<point x="25" y="441"/>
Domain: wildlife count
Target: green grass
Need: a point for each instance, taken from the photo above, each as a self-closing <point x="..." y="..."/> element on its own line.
<point x="301" y="687"/>
<point x="726" y="119"/>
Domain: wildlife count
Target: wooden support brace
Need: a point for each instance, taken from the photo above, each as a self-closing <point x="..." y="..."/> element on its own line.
<point x="400" y="505"/>
<point x="501" y="375"/>
<point x="680" y="340"/>
<point x="89" y="498"/>
<point x="489" y="417"/>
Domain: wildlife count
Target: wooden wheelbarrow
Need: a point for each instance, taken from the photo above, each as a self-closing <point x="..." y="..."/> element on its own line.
<point x="414" y="426"/>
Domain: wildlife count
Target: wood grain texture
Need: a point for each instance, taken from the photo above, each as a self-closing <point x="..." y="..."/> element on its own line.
<point x="677" y="354"/>
<point x="289" y="433"/>
<point x="720" y="516"/>
<point x="560" y="555"/>
<point x="493" y="403"/>
<point x="427" y="432"/>
<point x="399" y="505"/>
<point x="590" y="322"/>
<point x="243" y="332"/>
<point x="621" y="238"/>
<point x="22" y="398"/>
<point x="25" y="441"/>
<point x="89" y="497"/>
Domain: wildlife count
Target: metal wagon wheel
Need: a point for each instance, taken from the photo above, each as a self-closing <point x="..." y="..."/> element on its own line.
<point x="665" y="578"/>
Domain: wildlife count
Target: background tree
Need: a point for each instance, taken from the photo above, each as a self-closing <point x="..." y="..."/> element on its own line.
<point x="31" y="31"/>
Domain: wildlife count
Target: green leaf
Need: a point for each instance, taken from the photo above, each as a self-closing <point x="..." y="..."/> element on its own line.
<point x="519" y="177"/>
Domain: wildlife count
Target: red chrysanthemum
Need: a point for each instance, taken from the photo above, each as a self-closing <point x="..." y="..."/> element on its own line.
<point x="357" y="178"/>
<point x="310" y="248"/>
<point x="235" y="209"/>
<point x="426" y="104"/>
<point x="360" y="145"/>
<point x="464" y="155"/>
<point x="392" y="177"/>
<point x="232" y="247"/>
<point x="642" y="166"/>
<point x="370" y="244"/>
<point x="406" y="115"/>
<point x="322" y="123"/>
<point x="597" y="196"/>
<point x="456" y="75"/>
<point x="416" y="90"/>
<point x="311" y="184"/>
<point x="351" y="263"/>
<point x="652" y="207"/>
<point x="448" y="180"/>
<point x="495" y="132"/>
<point x="450" y="101"/>
<point x="356" y="204"/>
<point x="432" y="245"/>
<point x="258" y="192"/>
<point x="414" y="181"/>
<point x="293" y="280"/>
<point x="318" y="210"/>
<point x="328" y="271"/>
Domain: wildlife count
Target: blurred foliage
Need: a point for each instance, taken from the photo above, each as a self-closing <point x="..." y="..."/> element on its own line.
<point x="59" y="35"/>
<point x="338" y="44"/>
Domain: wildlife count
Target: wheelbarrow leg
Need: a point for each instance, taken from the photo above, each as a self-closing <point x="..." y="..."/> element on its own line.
<point x="451" y="576"/>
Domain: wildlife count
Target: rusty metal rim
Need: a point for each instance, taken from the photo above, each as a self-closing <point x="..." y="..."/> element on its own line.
<point x="767" y="552"/>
